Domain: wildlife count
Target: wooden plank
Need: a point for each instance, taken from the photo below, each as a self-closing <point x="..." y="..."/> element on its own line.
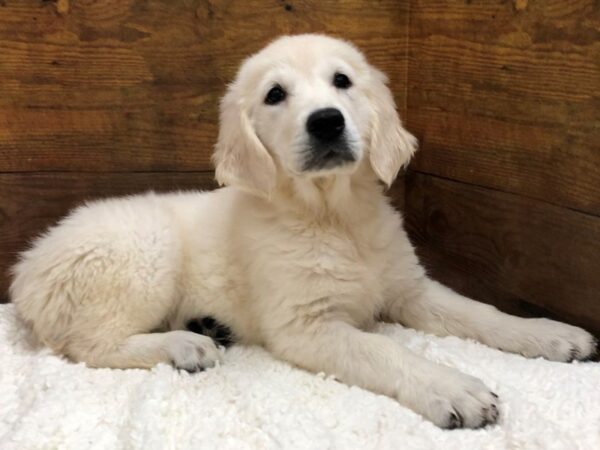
<point x="509" y="97"/>
<point x="525" y="256"/>
<point x="134" y="86"/>
<point x="30" y="202"/>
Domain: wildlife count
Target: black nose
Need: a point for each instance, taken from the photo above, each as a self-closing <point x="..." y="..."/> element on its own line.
<point x="325" y="124"/>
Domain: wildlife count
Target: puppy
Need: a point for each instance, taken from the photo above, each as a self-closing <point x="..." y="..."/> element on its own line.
<point x="300" y="253"/>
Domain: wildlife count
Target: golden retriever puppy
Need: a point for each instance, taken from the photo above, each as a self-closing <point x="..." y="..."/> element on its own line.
<point x="300" y="253"/>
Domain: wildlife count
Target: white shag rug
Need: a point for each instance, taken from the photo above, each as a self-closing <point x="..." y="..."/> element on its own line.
<point x="255" y="402"/>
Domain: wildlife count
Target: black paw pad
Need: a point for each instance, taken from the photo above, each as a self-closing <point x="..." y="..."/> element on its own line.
<point x="595" y="354"/>
<point x="455" y="420"/>
<point x="494" y="413"/>
<point x="194" y="369"/>
<point x="489" y="416"/>
<point x="188" y="368"/>
<point x="209" y="326"/>
<point x="208" y="322"/>
<point x="574" y="354"/>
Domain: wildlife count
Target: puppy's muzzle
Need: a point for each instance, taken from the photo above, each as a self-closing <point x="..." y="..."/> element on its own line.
<point x="328" y="146"/>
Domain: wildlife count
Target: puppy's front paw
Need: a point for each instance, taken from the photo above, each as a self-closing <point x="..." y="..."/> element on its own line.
<point x="456" y="400"/>
<point x="192" y="352"/>
<point x="557" y="341"/>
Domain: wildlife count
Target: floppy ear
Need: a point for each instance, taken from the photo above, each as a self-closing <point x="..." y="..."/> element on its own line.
<point x="391" y="145"/>
<point x="240" y="158"/>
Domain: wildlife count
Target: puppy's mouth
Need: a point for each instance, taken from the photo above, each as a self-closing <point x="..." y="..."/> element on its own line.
<point x="327" y="155"/>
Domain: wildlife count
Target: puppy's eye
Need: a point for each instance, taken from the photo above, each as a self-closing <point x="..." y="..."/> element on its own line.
<point x="275" y="95"/>
<point x="341" y="81"/>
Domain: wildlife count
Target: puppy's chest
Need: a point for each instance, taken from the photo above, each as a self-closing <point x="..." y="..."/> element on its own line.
<point x="339" y="255"/>
<point x="335" y="260"/>
<point x="306" y="272"/>
<point x="340" y="275"/>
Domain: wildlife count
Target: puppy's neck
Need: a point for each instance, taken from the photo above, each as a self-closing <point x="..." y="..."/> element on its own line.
<point x="336" y="199"/>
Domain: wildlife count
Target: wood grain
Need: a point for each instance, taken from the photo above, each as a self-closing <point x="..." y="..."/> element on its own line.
<point x="30" y="202"/>
<point x="509" y="97"/>
<point x="525" y="256"/>
<point x="134" y="85"/>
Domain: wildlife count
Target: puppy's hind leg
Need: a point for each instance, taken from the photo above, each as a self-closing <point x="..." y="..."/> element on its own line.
<point x="112" y="329"/>
<point x="93" y="291"/>
<point x="183" y="349"/>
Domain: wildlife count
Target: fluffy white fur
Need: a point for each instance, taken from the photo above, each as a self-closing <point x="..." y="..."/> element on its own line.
<point x="300" y="262"/>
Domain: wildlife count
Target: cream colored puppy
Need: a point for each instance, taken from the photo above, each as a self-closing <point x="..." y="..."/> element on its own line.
<point x="300" y="253"/>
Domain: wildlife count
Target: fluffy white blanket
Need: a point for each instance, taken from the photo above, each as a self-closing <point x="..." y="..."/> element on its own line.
<point x="255" y="402"/>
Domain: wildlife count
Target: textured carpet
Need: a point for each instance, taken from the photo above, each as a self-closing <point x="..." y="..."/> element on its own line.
<point x="253" y="401"/>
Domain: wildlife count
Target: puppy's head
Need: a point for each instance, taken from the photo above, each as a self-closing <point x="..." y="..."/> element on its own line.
<point x="308" y="106"/>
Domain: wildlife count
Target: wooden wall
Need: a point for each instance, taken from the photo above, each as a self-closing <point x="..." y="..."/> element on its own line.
<point x="109" y="97"/>
<point x="503" y="200"/>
